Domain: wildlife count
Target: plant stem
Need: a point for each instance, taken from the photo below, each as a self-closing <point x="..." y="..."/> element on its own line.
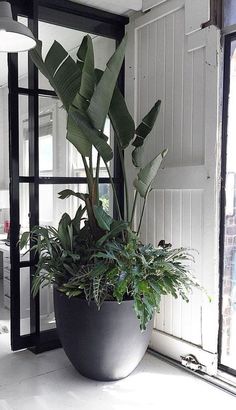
<point x="88" y="175"/>
<point x="91" y="164"/>
<point x="133" y="209"/>
<point x="97" y="176"/>
<point x="114" y="191"/>
<point x="125" y="180"/>
<point x="142" y="214"/>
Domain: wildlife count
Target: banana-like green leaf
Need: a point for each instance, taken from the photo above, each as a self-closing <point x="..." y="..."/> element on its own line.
<point x="77" y="137"/>
<point x="146" y="125"/>
<point x="147" y="174"/>
<point x="103" y="219"/>
<point x="96" y="138"/>
<point x="66" y="193"/>
<point x="137" y="156"/>
<point x="64" y="231"/>
<point x="36" y="57"/>
<point x="116" y="228"/>
<point x="122" y="122"/>
<point x="77" y="219"/>
<point x="24" y="240"/>
<point x="101" y="99"/>
<point x="88" y="76"/>
<point x="60" y="69"/>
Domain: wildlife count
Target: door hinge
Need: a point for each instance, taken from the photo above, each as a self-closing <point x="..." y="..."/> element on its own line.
<point x="191" y="362"/>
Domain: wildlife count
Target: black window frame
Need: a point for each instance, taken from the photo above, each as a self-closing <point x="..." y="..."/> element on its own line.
<point x="86" y="19"/>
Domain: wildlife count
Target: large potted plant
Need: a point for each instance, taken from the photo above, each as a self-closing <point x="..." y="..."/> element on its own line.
<point x="107" y="284"/>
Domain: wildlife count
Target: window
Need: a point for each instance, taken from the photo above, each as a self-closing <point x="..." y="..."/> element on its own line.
<point x="42" y="161"/>
<point x="227" y="337"/>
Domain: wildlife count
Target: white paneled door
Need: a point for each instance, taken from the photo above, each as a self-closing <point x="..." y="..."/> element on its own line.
<point x="170" y="58"/>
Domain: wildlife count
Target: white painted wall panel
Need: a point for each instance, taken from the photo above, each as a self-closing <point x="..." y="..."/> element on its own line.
<point x="197" y="13"/>
<point x="179" y="68"/>
<point x="167" y="70"/>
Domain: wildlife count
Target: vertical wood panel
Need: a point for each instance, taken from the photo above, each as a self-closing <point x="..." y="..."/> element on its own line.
<point x="178" y="88"/>
<point x="196" y="242"/>
<point x="168" y="237"/>
<point x="169" y="69"/>
<point x="160" y="234"/>
<point x="176" y="241"/>
<point x="187" y="106"/>
<point x="198" y="115"/>
<point x="160" y="83"/>
<point x="186" y="242"/>
<point x="169" y="86"/>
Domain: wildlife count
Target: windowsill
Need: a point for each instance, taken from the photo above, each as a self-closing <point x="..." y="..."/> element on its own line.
<point x="226" y="378"/>
<point x="218" y="381"/>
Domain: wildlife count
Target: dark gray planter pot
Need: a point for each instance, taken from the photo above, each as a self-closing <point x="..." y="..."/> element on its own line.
<point x="103" y="345"/>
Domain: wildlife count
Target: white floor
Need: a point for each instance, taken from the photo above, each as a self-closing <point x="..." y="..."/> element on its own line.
<point x="49" y="382"/>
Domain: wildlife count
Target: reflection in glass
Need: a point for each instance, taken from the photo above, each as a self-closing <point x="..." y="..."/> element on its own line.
<point x="24" y="135"/>
<point x="51" y="208"/>
<point x="57" y="156"/>
<point x="229" y="7"/>
<point x="47" y="319"/>
<point x="228" y="354"/>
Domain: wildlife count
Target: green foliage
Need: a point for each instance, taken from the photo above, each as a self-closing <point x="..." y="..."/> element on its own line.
<point x="147" y="174"/>
<point x="93" y="255"/>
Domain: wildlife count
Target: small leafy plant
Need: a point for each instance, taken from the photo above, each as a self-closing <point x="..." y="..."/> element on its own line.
<point x="103" y="258"/>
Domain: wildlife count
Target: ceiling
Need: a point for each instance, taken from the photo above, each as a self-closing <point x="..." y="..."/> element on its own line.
<point x="114" y="6"/>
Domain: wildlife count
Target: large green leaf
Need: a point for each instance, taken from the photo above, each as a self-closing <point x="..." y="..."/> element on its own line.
<point x="36" y="57"/>
<point x="76" y="135"/>
<point x="88" y="76"/>
<point x="147" y="174"/>
<point x="66" y="193"/>
<point x="137" y="157"/>
<point x="77" y="219"/>
<point x="101" y="99"/>
<point x="146" y="125"/>
<point x="122" y="122"/>
<point x="103" y="219"/>
<point x="96" y="138"/>
<point x="116" y="228"/>
<point x="64" y="231"/>
<point x="60" y="69"/>
<point x="142" y="132"/>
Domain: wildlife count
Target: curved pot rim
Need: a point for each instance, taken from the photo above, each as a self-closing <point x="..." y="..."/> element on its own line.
<point x="92" y="301"/>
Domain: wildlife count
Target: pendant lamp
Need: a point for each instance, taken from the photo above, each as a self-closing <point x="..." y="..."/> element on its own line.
<point x="14" y="36"/>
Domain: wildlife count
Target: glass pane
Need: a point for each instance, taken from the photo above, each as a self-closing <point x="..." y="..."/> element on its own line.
<point x="24" y="214"/>
<point x="57" y="156"/>
<point x="25" y="301"/>
<point x="4" y="214"/>
<point x="23" y="60"/>
<point x="228" y="356"/>
<point x="229" y="12"/>
<point x="4" y="149"/>
<point x="47" y="320"/>
<point x="24" y="135"/>
<point x="106" y="196"/>
<point x="47" y="317"/>
<point x="51" y="208"/>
